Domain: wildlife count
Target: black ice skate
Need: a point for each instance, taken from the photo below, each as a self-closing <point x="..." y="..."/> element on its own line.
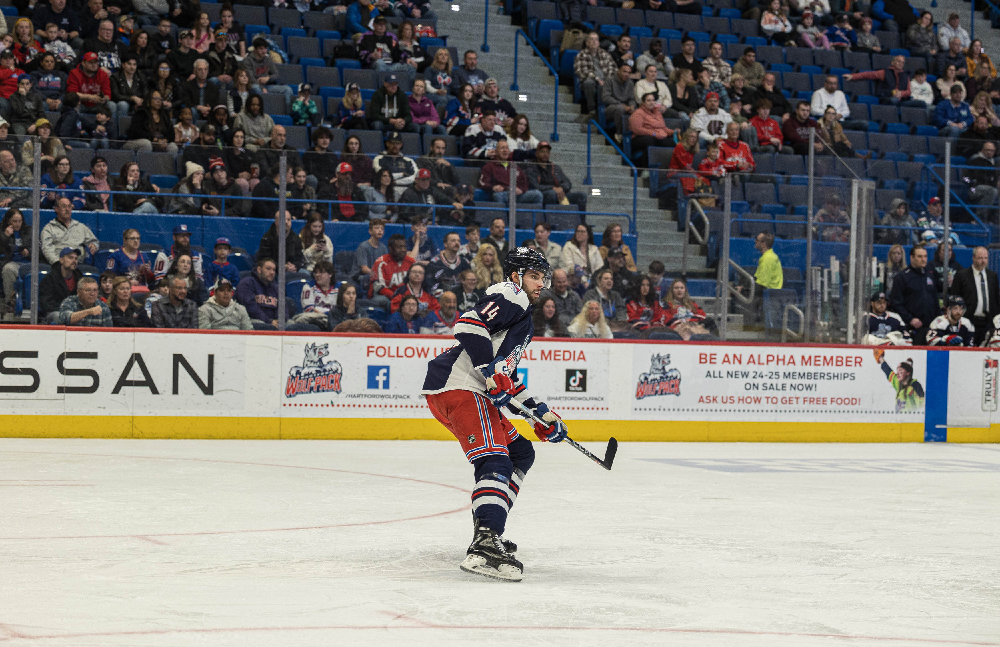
<point x="508" y="545"/>
<point x="487" y="556"/>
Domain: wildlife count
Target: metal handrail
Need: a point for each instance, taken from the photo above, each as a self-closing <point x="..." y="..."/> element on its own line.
<point x="514" y="87"/>
<point x="633" y="227"/>
<point x="747" y="275"/>
<point x="692" y="230"/>
<point x="486" y="27"/>
<point x="785" y="331"/>
<point x="971" y="209"/>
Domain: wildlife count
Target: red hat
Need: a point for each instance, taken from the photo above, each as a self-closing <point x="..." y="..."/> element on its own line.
<point x="344" y="167"/>
<point x="711" y="95"/>
<point x="216" y="162"/>
<point x="90" y="56"/>
<point x="423" y="174"/>
<point x="934" y="200"/>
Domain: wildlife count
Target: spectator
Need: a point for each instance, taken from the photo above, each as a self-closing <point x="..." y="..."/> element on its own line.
<point x="187" y="195"/>
<point x="51" y="147"/>
<point x="952" y="29"/>
<point x="942" y="269"/>
<point x="550" y="180"/>
<point x="655" y="272"/>
<point x="467" y="293"/>
<point x="982" y="82"/>
<point x="567" y="301"/>
<point x="445" y="269"/>
<point x="780" y="107"/>
<point x="643" y="307"/>
<point x="198" y="93"/>
<point x="951" y="328"/>
<point x="221" y="268"/>
<point x="370" y="250"/>
<point x="736" y="155"/>
<point x="409" y="46"/>
<point x="15" y="249"/>
<point x="830" y="96"/>
<point x="491" y="100"/>
<point x="423" y="112"/>
<point x="151" y="129"/>
<point x="654" y="56"/>
<point x="221" y="312"/>
<point x="84" y="308"/>
<point x="832" y="134"/>
<point x="438" y="79"/>
<point x="270" y="153"/>
<point x="125" y="311"/>
<point x="349" y="197"/>
<point x="414" y="286"/>
<point x="621" y="54"/>
<point x="893" y="85"/>
<point x="422" y="248"/>
<point x="27" y="107"/>
<point x="592" y="67"/>
<point x="618" y="96"/>
<point x="60" y="182"/>
<point x="461" y="112"/>
<point x="108" y="50"/>
<point x="685" y="59"/>
<point x="404" y="321"/>
<point x="230" y="200"/>
<point x="316" y="245"/>
<point x="185" y="132"/>
<point x="712" y="167"/>
<point x="402" y="168"/>
<point x="684" y="98"/>
<point x="176" y="311"/>
<point x="64" y="232"/>
<point x="834" y="223"/>
<point x="131" y="181"/>
<point x="884" y="328"/>
<point x="546" y="318"/>
<point x="920" y="38"/>
<point x="682" y="160"/>
<point x="182" y="57"/>
<point x="914" y="295"/>
<point x="796" y="130"/>
<point x="362" y="170"/>
<point x="67" y="20"/>
<point x="181" y="245"/>
<point x="866" y="40"/>
<point x="56" y="286"/>
<point x="258" y="293"/>
<point x="360" y="15"/>
<point x="320" y="162"/>
<point x="898" y="225"/>
<point x="163" y="38"/>
<point x="896" y="15"/>
<point x="775" y="25"/>
<point x="976" y="57"/>
<point x="931" y="220"/>
<point x="379" y="51"/>
<point x="520" y="140"/>
<point x="294" y="258"/>
<point x="682" y="315"/>
<point x="481" y="139"/>
<point x="581" y="257"/>
<point x="222" y="60"/>
<point x="711" y="121"/>
<point x="921" y="91"/>
<point x="650" y="84"/>
<point x="9" y="73"/>
<point x="809" y="35"/>
<point x="984" y="180"/>
<point x="749" y="68"/>
<point x="495" y="178"/>
<point x="238" y="94"/>
<point x="469" y="73"/>
<point x="740" y="93"/>
<point x="706" y="86"/>
<point x="262" y="70"/>
<point x="487" y="266"/>
<point x="128" y="85"/>
<point x="422" y="192"/>
<point x="602" y="291"/>
<point x="611" y="241"/>
<point x="977" y="286"/>
<point x="981" y="106"/>
<point x="380" y="198"/>
<point x="895" y="263"/>
<point x="167" y="85"/>
<point x="471" y="246"/>
<point x="551" y="251"/>
<point x="498" y="236"/>
<point x="954" y="55"/>
<point x="183" y="268"/>
<point x="390" y="268"/>
<point x="768" y="275"/>
<point x="953" y="116"/>
<point x="947" y="81"/>
<point x="770" y="138"/>
<point x="50" y="82"/>
<point x="346" y="308"/>
<point x="320" y="297"/>
<point x="590" y="323"/>
<point x="76" y="130"/>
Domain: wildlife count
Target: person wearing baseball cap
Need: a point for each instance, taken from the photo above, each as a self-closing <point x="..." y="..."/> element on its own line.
<point x="710" y="120"/>
<point x="59" y="283"/>
<point x="219" y="183"/>
<point x="263" y="71"/>
<point x="221" y="268"/>
<point x="347" y="194"/>
<point x="304" y="110"/>
<point x="403" y="168"/>
<point x="221" y="311"/>
<point x="389" y="108"/>
<point x="549" y="178"/>
<point x="380" y="51"/>
<point x="85" y="79"/>
<point x="884" y="327"/>
<point x="181" y="245"/>
<point x="182" y="57"/>
<point x="222" y="62"/>
<point x="422" y="193"/>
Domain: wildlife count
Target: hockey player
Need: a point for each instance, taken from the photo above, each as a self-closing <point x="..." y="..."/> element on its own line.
<point x="885" y="328"/>
<point x="952" y="328"/>
<point x="466" y="388"/>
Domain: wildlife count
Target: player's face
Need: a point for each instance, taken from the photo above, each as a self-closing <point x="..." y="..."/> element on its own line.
<point x="533" y="281"/>
<point x="878" y="307"/>
<point x="955" y="313"/>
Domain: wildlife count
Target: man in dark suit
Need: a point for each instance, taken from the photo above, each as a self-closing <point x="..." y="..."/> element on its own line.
<point x="979" y="287"/>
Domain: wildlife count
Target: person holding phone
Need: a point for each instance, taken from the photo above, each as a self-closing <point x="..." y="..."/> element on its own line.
<point x="316" y="245"/>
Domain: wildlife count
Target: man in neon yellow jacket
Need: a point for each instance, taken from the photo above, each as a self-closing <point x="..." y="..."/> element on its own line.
<point x="768" y="274"/>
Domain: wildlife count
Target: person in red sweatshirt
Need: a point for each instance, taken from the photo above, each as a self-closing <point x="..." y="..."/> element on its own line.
<point x="713" y="166"/>
<point x="8" y="79"/>
<point x="93" y="85"/>
<point x="414" y="285"/>
<point x="735" y="154"/>
<point x="796" y="130"/>
<point x="769" y="136"/>
<point x="390" y="270"/>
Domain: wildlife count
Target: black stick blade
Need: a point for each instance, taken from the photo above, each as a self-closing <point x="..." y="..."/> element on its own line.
<point x="609" y="456"/>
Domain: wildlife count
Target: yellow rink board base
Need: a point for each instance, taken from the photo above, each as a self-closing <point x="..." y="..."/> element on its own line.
<point x="411" y="429"/>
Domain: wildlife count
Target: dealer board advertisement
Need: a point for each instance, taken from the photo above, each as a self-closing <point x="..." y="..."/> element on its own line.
<point x="760" y="383"/>
<point x="382" y="377"/>
<point x="972" y="388"/>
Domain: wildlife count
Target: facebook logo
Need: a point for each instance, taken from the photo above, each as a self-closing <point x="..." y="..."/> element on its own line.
<point x="378" y="378"/>
<point x="522" y="376"/>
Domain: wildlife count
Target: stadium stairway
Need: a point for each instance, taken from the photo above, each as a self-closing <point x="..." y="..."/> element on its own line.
<point x="658" y="238"/>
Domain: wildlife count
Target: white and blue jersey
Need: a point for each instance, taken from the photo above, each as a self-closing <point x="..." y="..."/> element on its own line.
<point x="492" y="337"/>
<point x="120" y="263"/>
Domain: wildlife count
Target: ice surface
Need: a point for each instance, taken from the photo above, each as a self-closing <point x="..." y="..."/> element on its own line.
<point x="115" y="542"/>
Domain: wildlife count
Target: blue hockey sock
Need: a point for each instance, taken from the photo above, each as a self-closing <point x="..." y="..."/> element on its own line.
<point x="493" y="495"/>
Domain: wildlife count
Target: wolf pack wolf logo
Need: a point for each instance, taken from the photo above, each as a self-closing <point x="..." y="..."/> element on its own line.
<point x="660" y="380"/>
<point x="315" y="375"/>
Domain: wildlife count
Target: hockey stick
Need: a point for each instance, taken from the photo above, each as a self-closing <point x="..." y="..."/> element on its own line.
<point x="609" y="454"/>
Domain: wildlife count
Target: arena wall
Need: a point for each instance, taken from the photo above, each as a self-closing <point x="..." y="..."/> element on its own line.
<point x="57" y="382"/>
